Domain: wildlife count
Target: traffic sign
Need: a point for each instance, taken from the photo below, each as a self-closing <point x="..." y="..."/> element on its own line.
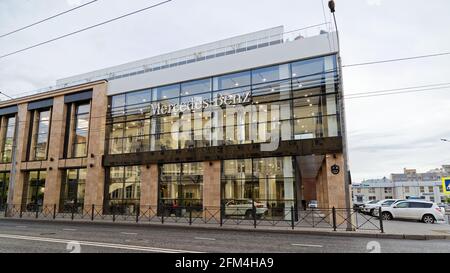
<point x="446" y="185"/>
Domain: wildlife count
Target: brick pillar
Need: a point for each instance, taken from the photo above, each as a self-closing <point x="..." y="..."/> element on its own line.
<point x="149" y="190"/>
<point x="335" y="190"/>
<point x="95" y="181"/>
<point x="56" y="143"/>
<point x="211" y="189"/>
<point x="23" y="120"/>
<point x="309" y="189"/>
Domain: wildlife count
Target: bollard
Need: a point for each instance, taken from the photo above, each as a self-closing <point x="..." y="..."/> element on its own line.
<point x="37" y="211"/>
<point x="334" y="218"/>
<point x="190" y="216"/>
<point x="137" y="214"/>
<point x="54" y="211"/>
<point x="254" y="215"/>
<point x="221" y="213"/>
<point x="92" y="212"/>
<point x="380" y="216"/>
<point x="292" y="217"/>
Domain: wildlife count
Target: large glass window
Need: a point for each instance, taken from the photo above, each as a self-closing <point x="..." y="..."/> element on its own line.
<point x="4" y="186"/>
<point x="8" y="139"/>
<point x="232" y="80"/>
<point x="270" y="74"/>
<point x="296" y="100"/>
<point x="73" y="190"/>
<point x="81" y="130"/>
<point x="195" y="87"/>
<point x="166" y="92"/>
<point x="41" y="130"/>
<point x="123" y="189"/>
<point x="34" y="190"/>
<point x="181" y="186"/>
<point x="266" y="183"/>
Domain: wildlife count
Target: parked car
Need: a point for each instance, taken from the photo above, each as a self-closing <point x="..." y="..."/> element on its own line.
<point x="419" y="210"/>
<point x="313" y="204"/>
<point x="445" y="206"/>
<point x="370" y="208"/>
<point x="387" y="204"/>
<point x="244" y="208"/>
<point x="361" y="206"/>
<point x="358" y="206"/>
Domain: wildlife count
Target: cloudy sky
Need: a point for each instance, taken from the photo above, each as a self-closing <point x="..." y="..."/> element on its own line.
<point x="386" y="133"/>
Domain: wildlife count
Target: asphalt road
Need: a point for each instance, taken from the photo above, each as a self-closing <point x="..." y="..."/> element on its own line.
<point x="40" y="237"/>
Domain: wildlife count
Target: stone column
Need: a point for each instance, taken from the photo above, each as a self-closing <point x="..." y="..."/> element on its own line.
<point x="95" y="181"/>
<point x="56" y="143"/>
<point x="309" y="189"/>
<point x="18" y="179"/>
<point x="335" y="189"/>
<point x="149" y="190"/>
<point x="211" y="190"/>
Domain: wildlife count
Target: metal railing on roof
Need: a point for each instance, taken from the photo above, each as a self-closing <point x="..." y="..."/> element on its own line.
<point x="245" y="46"/>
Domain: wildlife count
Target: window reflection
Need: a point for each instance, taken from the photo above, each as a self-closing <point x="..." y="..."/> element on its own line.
<point x="123" y="189"/>
<point x="307" y="109"/>
<point x="232" y="80"/>
<point x="41" y="126"/>
<point x="4" y="186"/>
<point x="8" y="138"/>
<point x="81" y="130"/>
<point x="268" y="182"/>
<point x="73" y="190"/>
<point x="181" y="186"/>
<point x="34" y="190"/>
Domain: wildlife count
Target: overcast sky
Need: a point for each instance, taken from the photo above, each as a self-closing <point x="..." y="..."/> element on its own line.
<point x="386" y="133"/>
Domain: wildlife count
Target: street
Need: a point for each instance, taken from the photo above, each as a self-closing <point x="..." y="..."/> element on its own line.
<point x="40" y="237"/>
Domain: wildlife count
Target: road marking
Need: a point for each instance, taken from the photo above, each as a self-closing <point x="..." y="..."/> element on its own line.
<point x="204" y="238"/>
<point x="21" y="226"/>
<point x="306" y="245"/>
<point x="69" y="229"/>
<point x="129" y="233"/>
<point x="96" y="244"/>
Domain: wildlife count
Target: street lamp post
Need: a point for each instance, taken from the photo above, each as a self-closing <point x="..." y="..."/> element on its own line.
<point x="332" y="6"/>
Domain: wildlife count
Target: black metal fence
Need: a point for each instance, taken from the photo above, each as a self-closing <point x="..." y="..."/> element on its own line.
<point x="291" y="218"/>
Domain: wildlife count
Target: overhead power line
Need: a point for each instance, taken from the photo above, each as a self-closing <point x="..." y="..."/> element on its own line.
<point x="47" y="19"/>
<point x="423" y="88"/>
<point x="397" y="60"/>
<point x="86" y="28"/>
<point x="399" y="89"/>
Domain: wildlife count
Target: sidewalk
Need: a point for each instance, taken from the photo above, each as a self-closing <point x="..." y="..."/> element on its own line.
<point x="393" y="229"/>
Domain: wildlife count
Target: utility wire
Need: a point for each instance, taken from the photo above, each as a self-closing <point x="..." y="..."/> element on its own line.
<point x="398" y="89"/>
<point x="398" y="60"/>
<point x="87" y="28"/>
<point x="47" y="19"/>
<point x="396" y="93"/>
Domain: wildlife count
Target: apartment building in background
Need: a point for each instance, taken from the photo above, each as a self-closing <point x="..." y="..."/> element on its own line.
<point x="410" y="183"/>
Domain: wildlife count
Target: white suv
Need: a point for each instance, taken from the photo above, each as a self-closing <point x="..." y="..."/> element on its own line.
<point x="244" y="207"/>
<point x="370" y="208"/>
<point x="424" y="211"/>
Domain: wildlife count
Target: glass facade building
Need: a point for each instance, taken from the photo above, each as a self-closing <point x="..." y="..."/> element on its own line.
<point x="254" y="127"/>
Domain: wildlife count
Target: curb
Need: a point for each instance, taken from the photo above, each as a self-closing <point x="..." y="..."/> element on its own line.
<point x="235" y="229"/>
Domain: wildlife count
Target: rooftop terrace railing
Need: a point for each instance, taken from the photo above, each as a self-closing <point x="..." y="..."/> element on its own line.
<point x="244" y="46"/>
